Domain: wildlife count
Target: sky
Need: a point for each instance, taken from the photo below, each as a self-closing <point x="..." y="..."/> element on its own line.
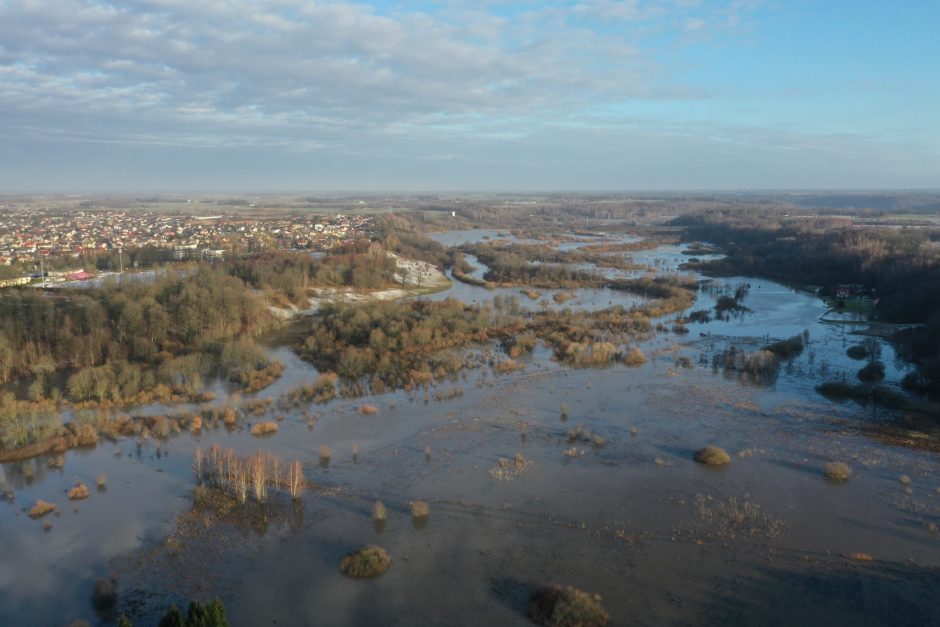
<point x="486" y="95"/>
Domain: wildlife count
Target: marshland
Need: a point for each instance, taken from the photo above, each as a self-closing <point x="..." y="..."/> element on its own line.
<point x="633" y="424"/>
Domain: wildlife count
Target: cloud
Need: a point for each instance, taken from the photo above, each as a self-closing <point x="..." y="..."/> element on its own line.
<point x="234" y="70"/>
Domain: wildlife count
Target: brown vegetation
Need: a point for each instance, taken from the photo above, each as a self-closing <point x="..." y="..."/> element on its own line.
<point x="419" y="509"/>
<point x="264" y="428"/>
<point x="712" y="456"/>
<point x="78" y="491"/>
<point x="565" y="606"/>
<point x="837" y="471"/>
<point x="367" y="562"/>
<point x="41" y="508"/>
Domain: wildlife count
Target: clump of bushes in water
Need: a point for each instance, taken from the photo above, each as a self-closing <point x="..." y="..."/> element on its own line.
<point x="878" y="394"/>
<point x="244" y="476"/>
<point x="419" y="509"/>
<point x="378" y="511"/>
<point x="246" y="364"/>
<point x="264" y="428"/>
<point x="41" y="508"/>
<point x="787" y="349"/>
<point x="79" y="491"/>
<point x="367" y="562"/>
<point x="837" y="471"/>
<point x="761" y="366"/>
<point x="565" y="606"/>
<point x="322" y="390"/>
<point x="712" y="456"/>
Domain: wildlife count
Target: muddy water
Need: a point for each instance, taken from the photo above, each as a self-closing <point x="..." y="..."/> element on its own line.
<point x="635" y="519"/>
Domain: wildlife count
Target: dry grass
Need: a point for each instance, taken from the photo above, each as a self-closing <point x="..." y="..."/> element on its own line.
<point x="229" y="416"/>
<point x="370" y="561"/>
<point x="41" y="508"/>
<point x="368" y="409"/>
<point x="264" y="428"/>
<point x="325" y="453"/>
<point x="563" y="297"/>
<point x="837" y="471"/>
<point x="712" y="456"/>
<point x="564" y="606"/>
<point x="419" y="509"/>
<point x="79" y="491"/>
<point x="860" y="557"/>
<point x="378" y="511"/>
<point x="196" y="424"/>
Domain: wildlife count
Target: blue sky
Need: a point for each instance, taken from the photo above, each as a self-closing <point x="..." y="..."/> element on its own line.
<point x="291" y="95"/>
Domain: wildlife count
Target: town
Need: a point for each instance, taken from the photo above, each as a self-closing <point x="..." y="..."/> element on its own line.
<point x="32" y="238"/>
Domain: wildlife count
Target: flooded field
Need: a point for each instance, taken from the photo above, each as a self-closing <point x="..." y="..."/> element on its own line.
<point x="581" y="477"/>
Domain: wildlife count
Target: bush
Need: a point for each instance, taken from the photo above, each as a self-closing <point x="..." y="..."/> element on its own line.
<point x="378" y="511"/>
<point x="41" y="508"/>
<point x="264" y="428"/>
<point x="837" y="471"/>
<point x="712" y="456"/>
<point x="419" y="509"/>
<point x="80" y="491"/>
<point x="557" y="606"/>
<point x="370" y="561"/>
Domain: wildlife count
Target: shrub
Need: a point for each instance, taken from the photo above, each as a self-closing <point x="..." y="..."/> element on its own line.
<point x="419" y="509"/>
<point x="557" y="606"/>
<point x="264" y="428"/>
<point x="325" y="453"/>
<point x="837" y="471"/>
<point x="80" y="491"/>
<point x="712" y="456"/>
<point x="378" y="511"/>
<point x="367" y="409"/>
<point x="370" y="561"/>
<point x="101" y="481"/>
<point x="635" y="357"/>
<point x="41" y="508"/>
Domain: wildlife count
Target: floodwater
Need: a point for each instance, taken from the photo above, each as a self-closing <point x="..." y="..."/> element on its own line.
<point x="767" y="540"/>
